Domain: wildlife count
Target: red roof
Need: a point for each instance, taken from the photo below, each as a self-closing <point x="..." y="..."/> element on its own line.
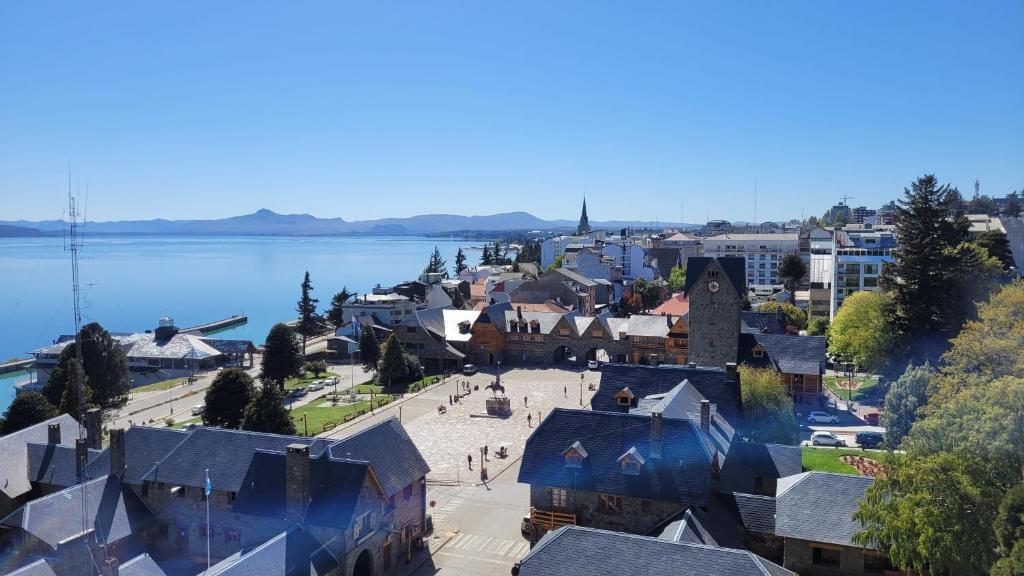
<point x="677" y="305"/>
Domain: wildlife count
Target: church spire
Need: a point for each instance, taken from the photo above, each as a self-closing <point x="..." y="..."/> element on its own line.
<point x="584" y="226"/>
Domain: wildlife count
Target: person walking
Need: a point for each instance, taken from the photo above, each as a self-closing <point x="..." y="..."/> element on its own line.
<point x="485" y="452"/>
<point x="529" y="420"/>
<point x="565" y="391"/>
<point x="526" y="402"/>
<point x="449" y="399"/>
<point x="469" y="459"/>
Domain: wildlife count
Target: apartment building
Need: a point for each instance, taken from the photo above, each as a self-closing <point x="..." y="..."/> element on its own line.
<point x="762" y="252"/>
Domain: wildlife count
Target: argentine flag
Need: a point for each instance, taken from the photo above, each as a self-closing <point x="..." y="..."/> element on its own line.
<point x="207" y="488"/>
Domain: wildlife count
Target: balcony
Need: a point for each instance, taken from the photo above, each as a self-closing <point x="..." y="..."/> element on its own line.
<point x="550" y="519"/>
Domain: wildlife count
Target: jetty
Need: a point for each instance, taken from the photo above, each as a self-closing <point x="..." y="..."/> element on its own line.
<point x="15" y="365"/>
<point x="218" y="325"/>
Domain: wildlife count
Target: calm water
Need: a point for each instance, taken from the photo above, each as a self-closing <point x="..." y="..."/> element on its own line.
<point x="130" y="282"/>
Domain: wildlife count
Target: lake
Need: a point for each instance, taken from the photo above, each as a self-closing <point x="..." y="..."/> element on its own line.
<point x="128" y="283"/>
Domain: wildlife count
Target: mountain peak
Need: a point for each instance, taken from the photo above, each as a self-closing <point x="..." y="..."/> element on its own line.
<point x="264" y="212"/>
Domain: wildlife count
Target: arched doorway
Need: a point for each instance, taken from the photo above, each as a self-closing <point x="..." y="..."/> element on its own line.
<point x="364" y="564"/>
<point x="563" y="354"/>
<point x="599" y="354"/>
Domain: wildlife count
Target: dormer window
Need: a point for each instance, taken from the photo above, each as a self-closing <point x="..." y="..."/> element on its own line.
<point x="574" y="455"/>
<point x="631" y="462"/>
<point x="625" y="397"/>
<point x="758" y="352"/>
<point x="631" y="468"/>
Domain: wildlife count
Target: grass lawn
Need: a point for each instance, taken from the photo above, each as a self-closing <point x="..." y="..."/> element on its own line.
<point x="293" y="383"/>
<point x="157" y="386"/>
<point x="183" y="423"/>
<point x="413" y="386"/>
<point x="827" y="459"/>
<point x="319" y="413"/>
<point x="865" y="387"/>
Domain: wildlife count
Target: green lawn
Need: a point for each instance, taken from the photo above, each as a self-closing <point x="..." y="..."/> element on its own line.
<point x="827" y="459"/>
<point x="183" y="423"/>
<point x="413" y="386"/>
<point x="157" y="386"/>
<point x="865" y="386"/>
<point x="318" y="414"/>
<point x="293" y="383"/>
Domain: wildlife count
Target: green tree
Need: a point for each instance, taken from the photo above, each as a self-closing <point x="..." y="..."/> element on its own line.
<point x="460" y="262"/>
<point x="792" y="270"/>
<point x="982" y="205"/>
<point x="997" y="245"/>
<point x="67" y="373"/>
<point x="904" y="399"/>
<point x="794" y="316"/>
<point x="556" y="264"/>
<point x="921" y="275"/>
<point x="860" y="332"/>
<point x="677" y="279"/>
<point x="103" y="372"/>
<point x="392" y="365"/>
<point x="1012" y="206"/>
<point x="818" y="327"/>
<point x="335" y="315"/>
<point x="72" y="400"/>
<point x="767" y="407"/>
<point x="1009" y="529"/>
<point x="227" y="397"/>
<point x="316" y="367"/>
<point x="485" y="258"/>
<point x="281" y="356"/>
<point x="369" y="349"/>
<point x="266" y="413"/>
<point x="26" y="409"/>
<point x="436" y="264"/>
<point x="973" y="276"/>
<point x="310" y="323"/>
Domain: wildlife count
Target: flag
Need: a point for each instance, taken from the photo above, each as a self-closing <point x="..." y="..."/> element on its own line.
<point x="355" y="327"/>
<point x="207" y="488"/>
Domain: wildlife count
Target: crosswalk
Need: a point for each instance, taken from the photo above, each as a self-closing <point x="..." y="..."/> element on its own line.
<point x="475" y="543"/>
<point x="440" y="513"/>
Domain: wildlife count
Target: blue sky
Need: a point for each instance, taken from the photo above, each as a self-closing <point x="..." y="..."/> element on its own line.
<point x="364" y="110"/>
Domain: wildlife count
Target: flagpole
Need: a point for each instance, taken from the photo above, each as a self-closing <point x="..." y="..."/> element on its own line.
<point x="208" y="527"/>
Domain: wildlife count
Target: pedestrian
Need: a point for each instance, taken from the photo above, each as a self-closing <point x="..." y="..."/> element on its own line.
<point x="538" y="416"/>
<point x="469" y="458"/>
<point x="449" y="399"/>
<point x="565" y="391"/>
<point x="529" y="420"/>
<point x="525" y="403"/>
<point x="485" y="452"/>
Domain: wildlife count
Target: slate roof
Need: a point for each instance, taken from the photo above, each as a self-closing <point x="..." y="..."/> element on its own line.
<point x="683" y="401"/>
<point x="572" y="275"/>
<point x="54" y="464"/>
<point x="113" y="510"/>
<point x="292" y="553"/>
<point x="144" y="447"/>
<point x="547" y="320"/>
<point x="38" y="568"/>
<point x="757" y="513"/>
<point x="819" y="506"/>
<point x="711" y="383"/>
<point x="226" y="453"/>
<point x="654" y="326"/>
<point x="14" y="473"/>
<point x="395" y="458"/>
<point x="733" y="266"/>
<point x="574" y="550"/>
<point x="754" y="322"/>
<point x="765" y="460"/>
<point x="141" y="565"/>
<point x="787" y="354"/>
<point x="681" y="474"/>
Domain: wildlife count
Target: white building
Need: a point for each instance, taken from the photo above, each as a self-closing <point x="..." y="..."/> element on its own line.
<point x="629" y="255"/>
<point x="763" y="253"/>
<point x="854" y="261"/>
<point x="389" y="307"/>
<point x="552" y="248"/>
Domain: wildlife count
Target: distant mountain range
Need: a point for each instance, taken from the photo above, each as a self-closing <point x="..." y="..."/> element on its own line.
<point x="268" y="223"/>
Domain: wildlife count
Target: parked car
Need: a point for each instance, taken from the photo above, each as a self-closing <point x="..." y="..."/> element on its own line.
<point x="300" y="391"/>
<point x="316" y="385"/>
<point x="469" y="369"/>
<point x="826" y="439"/>
<point x="593" y="365"/>
<point x="872" y="418"/>
<point x="818" y="417"/>
<point x="198" y="409"/>
<point x="870" y="439"/>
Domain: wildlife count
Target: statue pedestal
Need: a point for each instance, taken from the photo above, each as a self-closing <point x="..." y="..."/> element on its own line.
<point x="499" y="406"/>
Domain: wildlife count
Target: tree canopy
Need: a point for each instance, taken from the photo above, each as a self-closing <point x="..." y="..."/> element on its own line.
<point x="26" y="409"/>
<point x="996" y="243"/>
<point x="369" y="349"/>
<point x="227" y="397"/>
<point x="266" y="413"/>
<point x="767" y="407"/>
<point x="281" y="356"/>
<point x="677" y="279"/>
<point x="335" y="314"/>
<point x="792" y="270"/>
<point x="460" y="261"/>
<point x="103" y="372"/>
<point x="392" y="365"/>
<point x="794" y="316"/>
<point x="818" y="327"/>
<point x="310" y="323"/>
<point x="904" y="399"/>
<point x="436" y="264"/>
<point x="860" y="331"/>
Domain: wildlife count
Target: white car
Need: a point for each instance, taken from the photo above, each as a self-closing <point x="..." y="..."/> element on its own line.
<point x="316" y="385"/>
<point x="469" y="369"/>
<point x="818" y="417"/>
<point x="198" y="409"/>
<point x="593" y="365"/>
<point x="826" y="439"/>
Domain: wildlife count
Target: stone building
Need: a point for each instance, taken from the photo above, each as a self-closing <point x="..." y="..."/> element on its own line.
<point x="714" y="288"/>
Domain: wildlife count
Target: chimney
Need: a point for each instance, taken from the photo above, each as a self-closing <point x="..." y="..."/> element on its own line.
<point x="53" y="434"/>
<point x="519" y="312"/>
<point x="94" y="428"/>
<point x="656" y="426"/>
<point x="705" y="416"/>
<point x="111" y="567"/>
<point x="81" y="456"/>
<point x="296" y="481"/>
<point x="668" y="319"/>
<point x="733" y="376"/>
<point x="117" y="462"/>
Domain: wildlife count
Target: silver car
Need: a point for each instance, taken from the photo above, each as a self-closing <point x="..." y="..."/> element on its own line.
<point x="822" y="438"/>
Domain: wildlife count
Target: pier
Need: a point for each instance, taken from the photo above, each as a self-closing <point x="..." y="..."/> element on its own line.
<point x="218" y="325"/>
<point x="15" y="365"/>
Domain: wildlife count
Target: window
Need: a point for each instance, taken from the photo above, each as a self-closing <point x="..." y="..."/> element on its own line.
<point x="362" y="527"/>
<point x="573" y="460"/>
<point x="758" y="352"/>
<point x="232" y="536"/>
<point x="610" y="503"/>
<point x="559" y="498"/>
<point x="822" y="556"/>
<point x="631" y="467"/>
<point x="145" y="489"/>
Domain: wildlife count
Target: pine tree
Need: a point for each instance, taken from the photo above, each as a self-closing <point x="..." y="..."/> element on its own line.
<point x="460" y="262"/>
<point x="436" y="265"/>
<point x="281" y="356"/>
<point x="266" y="413"/>
<point x="997" y="245"/>
<point x="792" y="270"/>
<point x="485" y="258"/>
<point x="392" y="363"/>
<point x="26" y="409"/>
<point x="369" y="349"/>
<point x="227" y="397"/>
<point x="310" y="323"/>
<point x="335" y="313"/>
<point x="105" y="366"/>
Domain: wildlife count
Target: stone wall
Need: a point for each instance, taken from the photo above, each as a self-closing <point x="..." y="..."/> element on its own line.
<point x="637" y="516"/>
<point x="799" y="557"/>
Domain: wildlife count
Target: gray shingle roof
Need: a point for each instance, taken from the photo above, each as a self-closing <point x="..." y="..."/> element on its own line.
<point x="141" y="565"/>
<point x="651" y="326"/>
<point x="546" y="320"/>
<point x="711" y="383"/>
<point x="819" y="506"/>
<point x="144" y="447"/>
<point x="292" y="553"/>
<point x="54" y="464"/>
<point x="37" y="568"/>
<point x="681" y="474"/>
<point x="111" y="509"/>
<point x="765" y="460"/>
<point x="733" y="266"/>
<point x="14" y="473"/>
<point x="757" y="513"/>
<point x="787" y="354"/>
<point x="395" y="458"/>
<point x="754" y="322"/>
<point x="573" y="550"/>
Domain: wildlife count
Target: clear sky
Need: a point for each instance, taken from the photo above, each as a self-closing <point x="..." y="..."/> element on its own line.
<point x="363" y="110"/>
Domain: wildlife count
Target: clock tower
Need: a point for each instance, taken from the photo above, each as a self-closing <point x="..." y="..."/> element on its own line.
<point x="715" y="288"/>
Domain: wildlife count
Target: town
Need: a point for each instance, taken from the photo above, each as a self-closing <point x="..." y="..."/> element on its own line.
<point x="739" y="398"/>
